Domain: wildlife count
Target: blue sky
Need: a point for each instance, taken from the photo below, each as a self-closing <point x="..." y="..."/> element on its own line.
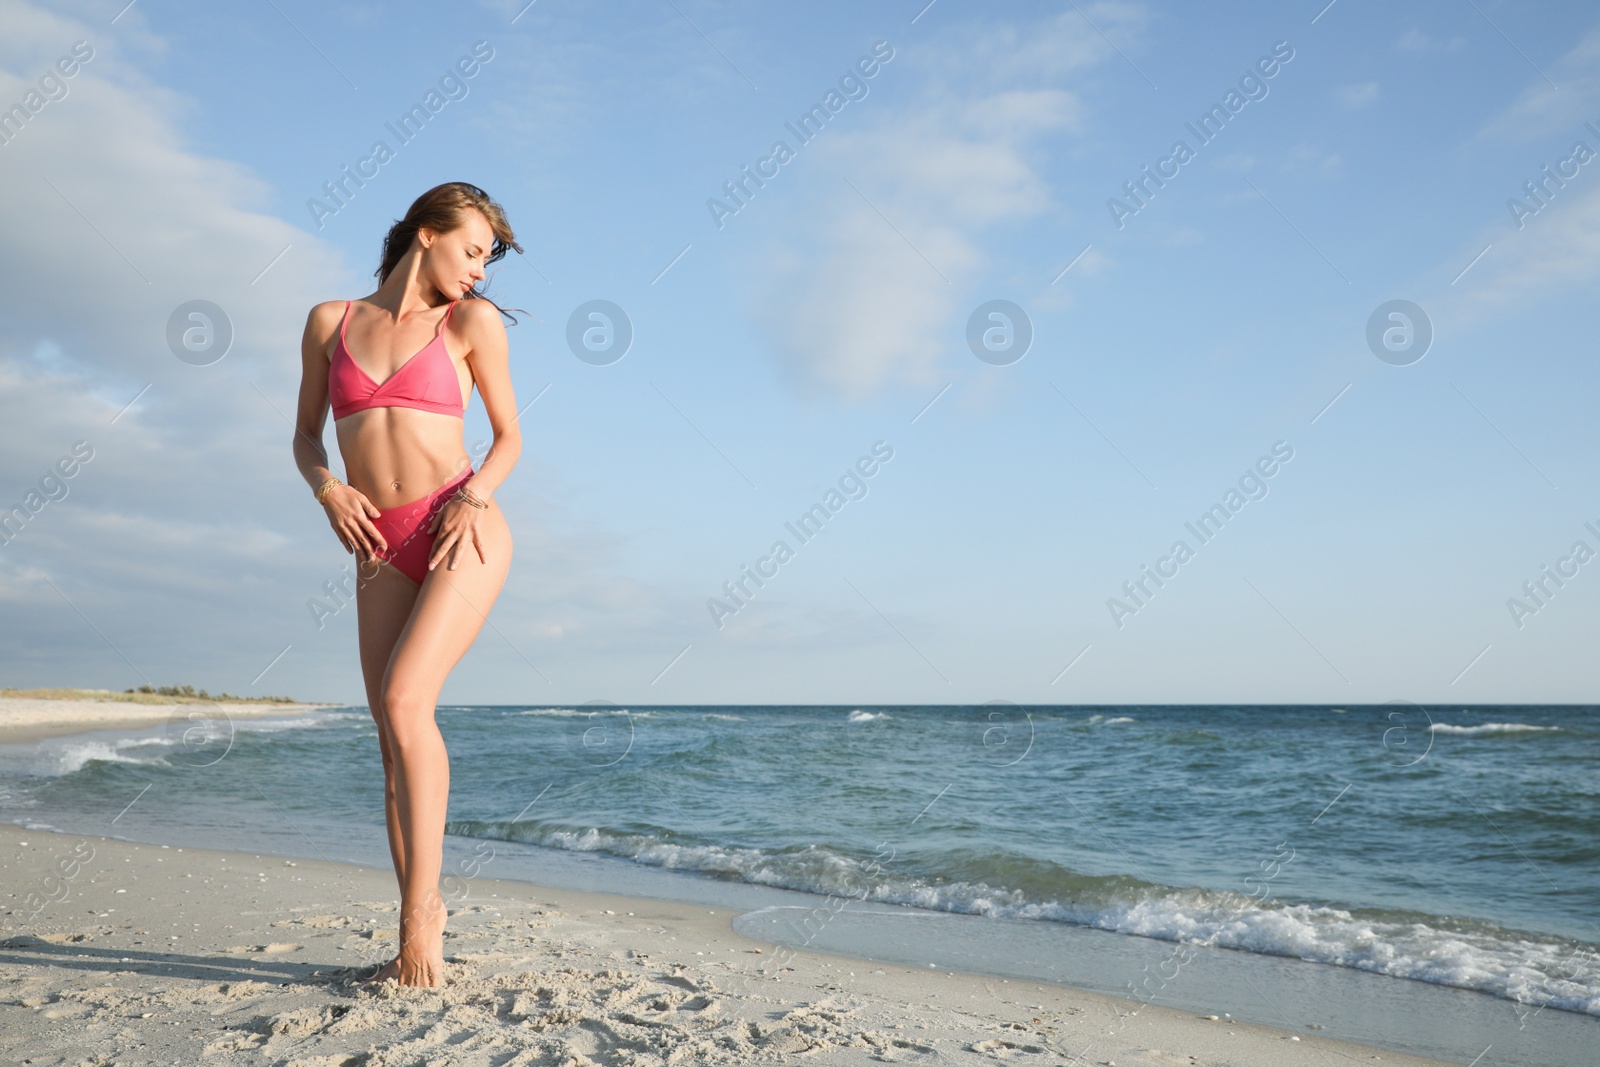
<point x="1226" y="316"/>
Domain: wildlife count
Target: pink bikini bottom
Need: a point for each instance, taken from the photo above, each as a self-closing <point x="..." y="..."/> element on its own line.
<point x="404" y="529"/>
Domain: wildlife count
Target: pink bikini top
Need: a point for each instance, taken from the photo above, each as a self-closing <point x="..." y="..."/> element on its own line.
<point x="427" y="381"/>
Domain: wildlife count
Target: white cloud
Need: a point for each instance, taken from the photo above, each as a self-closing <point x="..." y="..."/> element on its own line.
<point x="1556" y="253"/>
<point x="1182" y="237"/>
<point x="1303" y="158"/>
<point x="1542" y="110"/>
<point x="1357" y="95"/>
<point x="1557" y="250"/>
<point x="864" y="286"/>
<point x="189" y="538"/>
<point x="1414" y="40"/>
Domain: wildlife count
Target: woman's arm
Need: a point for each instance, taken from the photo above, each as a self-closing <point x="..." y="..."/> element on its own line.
<point x="490" y="361"/>
<point x="311" y="412"/>
<point x="349" y="512"/>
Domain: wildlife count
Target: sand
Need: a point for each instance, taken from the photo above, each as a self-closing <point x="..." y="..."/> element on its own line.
<point x="24" y="719"/>
<point x="124" y="953"/>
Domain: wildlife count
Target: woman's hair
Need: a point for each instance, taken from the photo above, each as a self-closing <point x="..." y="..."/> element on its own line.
<point x="443" y="209"/>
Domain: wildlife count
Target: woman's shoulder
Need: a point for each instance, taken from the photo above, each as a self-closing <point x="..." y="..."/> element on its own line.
<point x="476" y="311"/>
<point x="327" y="309"/>
<point x="478" y="320"/>
<point x="324" y="317"/>
<point x="322" y="324"/>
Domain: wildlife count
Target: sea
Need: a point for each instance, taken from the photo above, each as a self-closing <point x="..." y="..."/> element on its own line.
<point x="1421" y="878"/>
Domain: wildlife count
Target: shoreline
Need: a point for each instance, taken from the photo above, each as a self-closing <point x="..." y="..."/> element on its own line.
<point x="1296" y="999"/>
<point x="156" y="953"/>
<point x="27" y="719"/>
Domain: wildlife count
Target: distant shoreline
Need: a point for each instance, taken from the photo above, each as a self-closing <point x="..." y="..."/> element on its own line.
<point x="24" y="719"/>
<point x="130" y="697"/>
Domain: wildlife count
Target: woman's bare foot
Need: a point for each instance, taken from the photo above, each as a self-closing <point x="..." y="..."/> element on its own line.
<point x="421" y="959"/>
<point x="387" y="971"/>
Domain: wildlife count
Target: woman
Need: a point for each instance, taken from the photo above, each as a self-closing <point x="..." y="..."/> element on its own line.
<point x="397" y="368"/>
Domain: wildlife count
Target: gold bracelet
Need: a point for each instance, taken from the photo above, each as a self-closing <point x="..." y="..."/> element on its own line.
<point x="470" y="497"/>
<point x="322" y="490"/>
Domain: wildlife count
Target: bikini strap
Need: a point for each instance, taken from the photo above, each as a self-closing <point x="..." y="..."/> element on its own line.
<point x="445" y="322"/>
<point x="344" y="320"/>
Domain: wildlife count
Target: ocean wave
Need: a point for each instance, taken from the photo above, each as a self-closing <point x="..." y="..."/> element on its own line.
<point x="267" y="726"/>
<point x="55" y="758"/>
<point x="1489" y="728"/>
<point x="866" y="716"/>
<point x="150" y="745"/>
<point x="1101" y="720"/>
<point x="568" y="713"/>
<point x="722" y="718"/>
<point x="1536" y="970"/>
<point x="1532" y="969"/>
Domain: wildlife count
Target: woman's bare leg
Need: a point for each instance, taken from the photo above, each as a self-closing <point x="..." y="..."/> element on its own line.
<point x="384" y="599"/>
<point x="450" y="610"/>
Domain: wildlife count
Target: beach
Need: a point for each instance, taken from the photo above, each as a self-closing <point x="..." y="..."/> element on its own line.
<point x="25" y="719"/>
<point x="210" y="880"/>
<point x="158" y="954"/>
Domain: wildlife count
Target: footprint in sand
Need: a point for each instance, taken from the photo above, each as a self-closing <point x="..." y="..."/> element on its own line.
<point x="1002" y="1049"/>
<point x="672" y="1002"/>
<point x="914" y="1046"/>
<point x="303" y="1021"/>
<point x="232" y="1041"/>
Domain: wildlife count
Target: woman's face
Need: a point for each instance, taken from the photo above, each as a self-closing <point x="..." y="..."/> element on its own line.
<point x="454" y="261"/>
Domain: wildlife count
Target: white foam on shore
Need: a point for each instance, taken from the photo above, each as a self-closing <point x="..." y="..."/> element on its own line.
<point x="1490" y="728"/>
<point x="1537" y="970"/>
<point x="1533" y="969"/>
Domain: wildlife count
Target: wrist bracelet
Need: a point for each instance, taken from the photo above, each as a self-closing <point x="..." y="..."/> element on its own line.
<point x="322" y="490"/>
<point x="470" y="497"/>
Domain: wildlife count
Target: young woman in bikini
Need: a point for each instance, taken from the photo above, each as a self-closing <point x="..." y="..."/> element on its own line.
<point x="397" y="368"/>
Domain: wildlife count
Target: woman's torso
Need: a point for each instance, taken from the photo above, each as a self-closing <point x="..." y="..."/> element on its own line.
<point x="395" y="455"/>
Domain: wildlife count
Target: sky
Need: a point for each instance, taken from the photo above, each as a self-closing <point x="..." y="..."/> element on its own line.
<point x="1042" y="292"/>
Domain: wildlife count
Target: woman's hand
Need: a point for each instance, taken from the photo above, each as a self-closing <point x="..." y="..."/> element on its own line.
<point x="350" y="514"/>
<point x="456" y="525"/>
